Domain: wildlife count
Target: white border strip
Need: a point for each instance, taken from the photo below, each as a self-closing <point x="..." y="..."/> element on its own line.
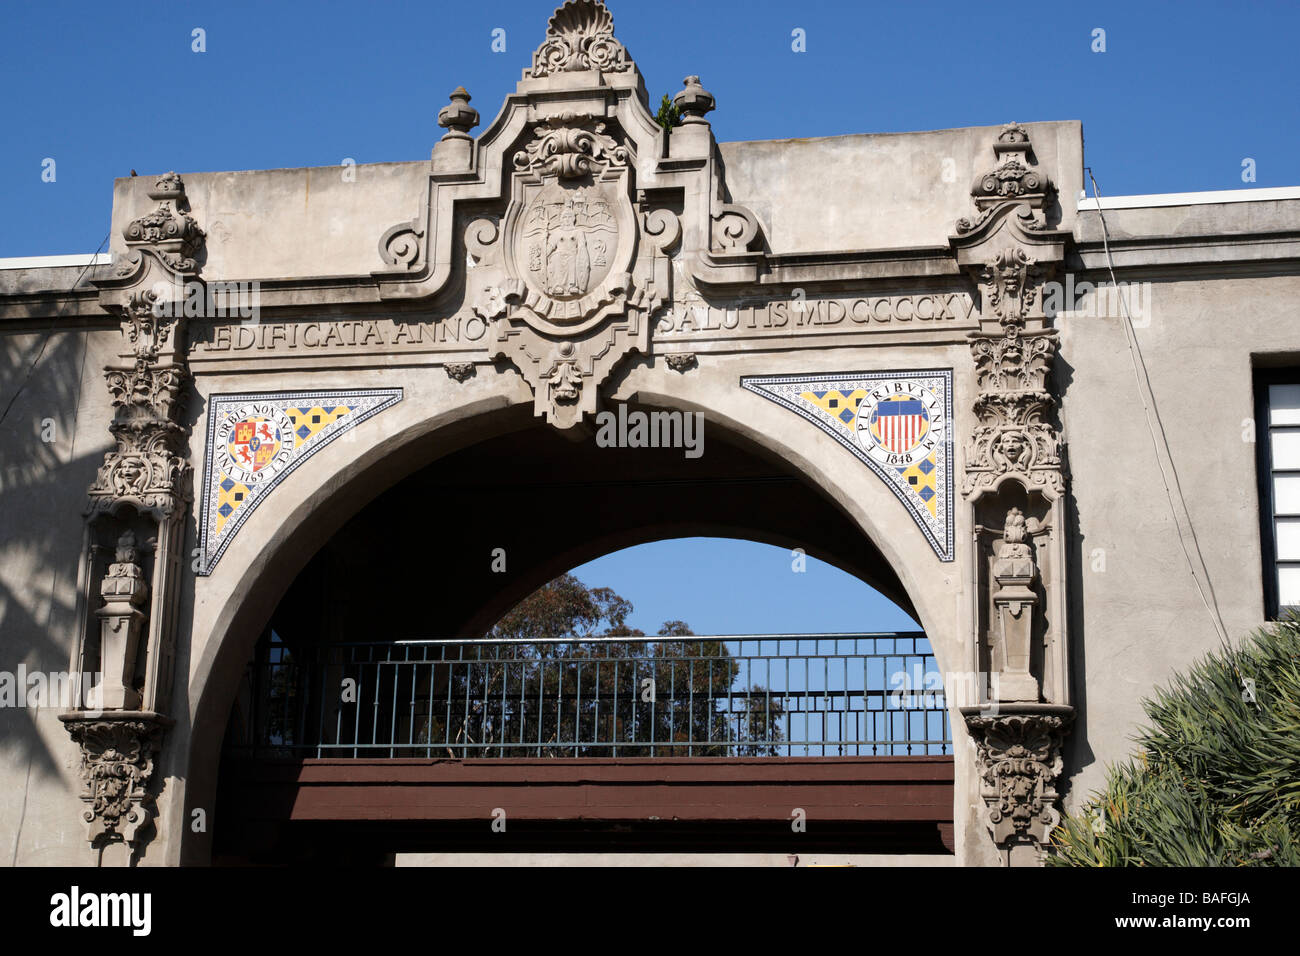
<point x="1191" y="199"/>
<point x="51" y="262"/>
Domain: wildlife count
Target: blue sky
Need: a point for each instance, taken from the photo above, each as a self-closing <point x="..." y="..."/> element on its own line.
<point x="721" y="586"/>
<point x="1183" y="93"/>
<point x="1181" y="96"/>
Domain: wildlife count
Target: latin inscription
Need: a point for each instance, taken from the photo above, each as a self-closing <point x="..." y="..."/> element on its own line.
<point x="466" y="330"/>
<point x="367" y="335"/>
<point x="818" y="315"/>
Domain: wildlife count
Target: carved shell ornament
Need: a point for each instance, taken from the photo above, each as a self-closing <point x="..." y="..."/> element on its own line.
<point x="580" y="36"/>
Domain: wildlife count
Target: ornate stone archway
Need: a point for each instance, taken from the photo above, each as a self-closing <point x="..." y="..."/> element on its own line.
<point x="572" y="257"/>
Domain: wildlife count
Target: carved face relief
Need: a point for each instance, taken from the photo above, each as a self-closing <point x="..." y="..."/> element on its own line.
<point x="1012" y="448"/>
<point x="131" y="476"/>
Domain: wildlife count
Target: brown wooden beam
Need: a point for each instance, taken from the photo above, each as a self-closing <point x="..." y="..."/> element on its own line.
<point x="839" y="789"/>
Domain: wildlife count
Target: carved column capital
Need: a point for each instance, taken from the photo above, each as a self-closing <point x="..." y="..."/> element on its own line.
<point x="1019" y="753"/>
<point x="117" y="764"/>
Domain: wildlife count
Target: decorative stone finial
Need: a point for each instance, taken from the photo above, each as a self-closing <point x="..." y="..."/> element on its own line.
<point x="580" y="36"/>
<point x="168" y="232"/>
<point x="1013" y="179"/>
<point x="694" y="101"/>
<point x="458" y="117"/>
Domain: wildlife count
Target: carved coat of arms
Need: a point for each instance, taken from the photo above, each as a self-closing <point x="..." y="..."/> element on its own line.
<point x="576" y="283"/>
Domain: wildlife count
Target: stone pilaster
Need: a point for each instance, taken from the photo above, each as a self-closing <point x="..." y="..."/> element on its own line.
<point x="1015" y="485"/>
<point x="136" y="512"/>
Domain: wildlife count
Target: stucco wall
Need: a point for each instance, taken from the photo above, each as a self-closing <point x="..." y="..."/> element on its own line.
<point x="1138" y="613"/>
<point x="42" y="491"/>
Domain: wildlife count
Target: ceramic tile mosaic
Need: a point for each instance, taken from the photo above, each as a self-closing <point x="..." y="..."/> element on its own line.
<point x="256" y="439"/>
<point x="897" y="423"/>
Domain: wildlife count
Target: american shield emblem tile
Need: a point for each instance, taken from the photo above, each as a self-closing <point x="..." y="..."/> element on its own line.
<point x="897" y="423"/>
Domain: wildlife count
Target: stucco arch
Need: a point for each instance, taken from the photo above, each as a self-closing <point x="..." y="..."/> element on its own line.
<point x="316" y="500"/>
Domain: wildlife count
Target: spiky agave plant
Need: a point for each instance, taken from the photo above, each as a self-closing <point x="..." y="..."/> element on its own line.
<point x="1217" y="779"/>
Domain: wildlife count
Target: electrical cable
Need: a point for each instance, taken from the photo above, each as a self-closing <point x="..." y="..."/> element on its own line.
<point x="1164" y="459"/>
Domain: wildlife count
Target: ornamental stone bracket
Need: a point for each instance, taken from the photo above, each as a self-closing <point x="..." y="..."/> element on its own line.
<point x="1019" y="761"/>
<point x="118" y="754"/>
<point x="566" y="225"/>
<point x="135" y="515"/>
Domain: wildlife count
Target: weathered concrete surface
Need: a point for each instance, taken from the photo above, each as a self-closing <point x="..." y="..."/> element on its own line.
<point x="288" y="222"/>
<point x="1138" y="614"/>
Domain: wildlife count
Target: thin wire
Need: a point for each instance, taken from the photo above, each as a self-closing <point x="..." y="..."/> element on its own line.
<point x="1164" y="458"/>
<point x="48" y="335"/>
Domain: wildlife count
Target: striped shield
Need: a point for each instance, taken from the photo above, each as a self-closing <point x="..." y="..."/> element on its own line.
<point x="899" y="423"/>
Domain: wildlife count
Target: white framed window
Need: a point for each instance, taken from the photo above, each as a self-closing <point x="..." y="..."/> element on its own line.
<point x="1277" y="422"/>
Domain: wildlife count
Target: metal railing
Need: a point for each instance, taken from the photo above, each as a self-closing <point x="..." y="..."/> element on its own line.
<point x="718" y="696"/>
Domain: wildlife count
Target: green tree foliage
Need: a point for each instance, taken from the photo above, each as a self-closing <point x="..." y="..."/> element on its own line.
<point x="668" y="115"/>
<point x="1217" y="781"/>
